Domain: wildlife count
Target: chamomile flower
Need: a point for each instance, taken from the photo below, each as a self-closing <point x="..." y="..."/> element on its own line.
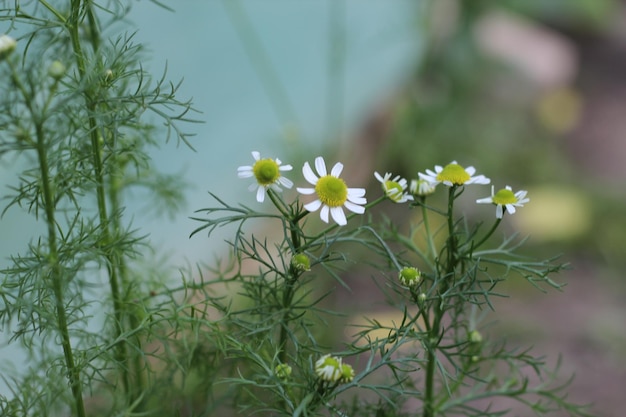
<point x="332" y="192"/>
<point x="410" y="276"/>
<point x="394" y="188"/>
<point x="505" y="199"/>
<point x="267" y="173"/>
<point x="422" y="187"/>
<point x="329" y="368"/>
<point x="453" y="174"/>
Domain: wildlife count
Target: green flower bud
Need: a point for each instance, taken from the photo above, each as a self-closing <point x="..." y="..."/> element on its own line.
<point x="410" y="276"/>
<point x="475" y="337"/>
<point x="347" y="373"/>
<point x="301" y="262"/>
<point x="56" y="70"/>
<point x="282" y="370"/>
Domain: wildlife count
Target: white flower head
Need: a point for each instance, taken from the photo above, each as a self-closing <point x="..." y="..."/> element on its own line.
<point x="395" y="189"/>
<point x="329" y="368"/>
<point x="332" y="192"/>
<point x="505" y="199"/>
<point x="453" y="174"/>
<point x="267" y="173"/>
<point x="422" y="187"/>
<point x="7" y="45"/>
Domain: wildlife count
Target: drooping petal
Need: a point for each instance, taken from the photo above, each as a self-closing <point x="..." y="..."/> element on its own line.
<point x="260" y="194"/>
<point x="339" y="216"/>
<point x="499" y="211"/>
<point x="287" y="183"/>
<point x="354" y="207"/>
<point x="324" y="213"/>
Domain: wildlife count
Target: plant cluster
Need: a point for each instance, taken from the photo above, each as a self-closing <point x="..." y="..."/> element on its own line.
<point x="255" y="332"/>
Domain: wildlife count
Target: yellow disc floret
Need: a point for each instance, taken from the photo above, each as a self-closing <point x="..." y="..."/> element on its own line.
<point x="332" y="191"/>
<point x="266" y="171"/>
<point x="504" y="196"/>
<point x="394" y="190"/>
<point x="454" y="173"/>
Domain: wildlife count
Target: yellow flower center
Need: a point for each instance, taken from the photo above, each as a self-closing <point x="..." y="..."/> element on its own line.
<point x="393" y="190"/>
<point x="266" y="171"/>
<point x="504" y="196"/>
<point x="453" y="173"/>
<point x="332" y="191"/>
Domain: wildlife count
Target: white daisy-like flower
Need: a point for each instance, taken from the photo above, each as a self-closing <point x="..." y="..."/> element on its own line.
<point x="453" y="174"/>
<point x="267" y="173"/>
<point x="332" y="192"/>
<point x="421" y="187"/>
<point x="394" y="188"/>
<point x="505" y="199"/>
<point x="329" y="368"/>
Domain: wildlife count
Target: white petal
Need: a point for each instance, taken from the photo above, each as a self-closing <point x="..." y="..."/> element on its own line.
<point x="308" y="174"/>
<point x="285" y="167"/>
<point x="286" y="182"/>
<point x="339" y="216"/>
<point x="470" y="170"/>
<point x="256" y="155"/>
<point x="357" y="200"/>
<point x="306" y="191"/>
<point x="260" y="194"/>
<point x="354" y="208"/>
<point x="499" y="211"/>
<point x="480" y="179"/>
<point x="336" y="171"/>
<point x="356" y="192"/>
<point x="320" y="166"/>
<point x="276" y="188"/>
<point x="245" y="172"/>
<point x="324" y="213"/>
<point x="486" y="200"/>
<point x="510" y="208"/>
<point x="253" y="186"/>
<point x="378" y="177"/>
<point x="313" y="205"/>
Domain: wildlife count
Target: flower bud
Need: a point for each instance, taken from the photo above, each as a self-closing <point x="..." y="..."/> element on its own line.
<point x="421" y="187"/>
<point x="7" y="45"/>
<point x="475" y="337"/>
<point x="282" y="370"/>
<point x="410" y="276"/>
<point x="347" y="373"/>
<point x="56" y="70"/>
<point x="301" y="262"/>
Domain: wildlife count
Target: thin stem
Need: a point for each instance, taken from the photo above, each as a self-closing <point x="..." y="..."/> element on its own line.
<point x="429" y="236"/>
<point x="112" y="265"/>
<point x="56" y="272"/>
<point x="488" y="235"/>
<point x="439" y="308"/>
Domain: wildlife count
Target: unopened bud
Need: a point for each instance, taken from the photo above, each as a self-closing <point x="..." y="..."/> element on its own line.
<point x="56" y="70"/>
<point x="7" y="45"/>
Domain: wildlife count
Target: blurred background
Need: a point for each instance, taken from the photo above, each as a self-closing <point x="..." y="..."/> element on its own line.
<point x="530" y="92"/>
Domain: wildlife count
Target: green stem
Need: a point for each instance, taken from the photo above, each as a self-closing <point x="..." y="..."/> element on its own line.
<point x="439" y="309"/>
<point x="488" y="235"/>
<point x="112" y="266"/>
<point x="429" y="236"/>
<point x="56" y="272"/>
